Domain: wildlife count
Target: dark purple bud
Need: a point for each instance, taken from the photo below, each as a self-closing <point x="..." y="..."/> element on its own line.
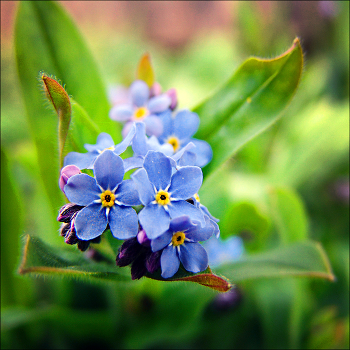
<point x="128" y="252"/>
<point x="83" y="245"/>
<point x="173" y="96"/>
<point x="155" y="89"/>
<point x="64" y="229"/>
<point x="67" y="211"/>
<point x="227" y="301"/>
<point x="143" y="239"/>
<point x="153" y="261"/>
<point x="67" y="172"/>
<point x="138" y="267"/>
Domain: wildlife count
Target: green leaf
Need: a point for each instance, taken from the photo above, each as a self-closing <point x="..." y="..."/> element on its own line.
<point x="245" y="219"/>
<point x="306" y="259"/>
<point x="40" y="259"/>
<point x="289" y="214"/>
<point x="145" y="70"/>
<point x="47" y="40"/>
<point x="59" y="98"/>
<point x="250" y="102"/>
<point x="205" y="278"/>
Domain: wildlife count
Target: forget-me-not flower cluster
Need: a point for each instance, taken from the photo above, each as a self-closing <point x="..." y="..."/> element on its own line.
<point x="155" y="209"/>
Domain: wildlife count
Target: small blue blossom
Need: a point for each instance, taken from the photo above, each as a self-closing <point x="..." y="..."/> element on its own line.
<point x="142" y="107"/>
<point x="224" y="251"/>
<point x="180" y="243"/>
<point x="104" y="142"/>
<point x="178" y="132"/>
<point x="141" y="144"/>
<point x="107" y="200"/>
<point x="164" y="193"/>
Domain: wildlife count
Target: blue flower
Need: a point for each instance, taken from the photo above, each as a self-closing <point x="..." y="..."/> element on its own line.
<point x="108" y="200"/>
<point x="221" y="252"/>
<point x="143" y="107"/>
<point x="141" y="144"/>
<point x="164" y="194"/>
<point x="178" y="131"/>
<point x="104" y="142"/>
<point x="180" y="244"/>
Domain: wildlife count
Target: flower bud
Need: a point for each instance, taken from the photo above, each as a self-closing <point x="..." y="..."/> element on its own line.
<point x="67" y="172"/>
<point x="143" y="239"/>
<point x="173" y="96"/>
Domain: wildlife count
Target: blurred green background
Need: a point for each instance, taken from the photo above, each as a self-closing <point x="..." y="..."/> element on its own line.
<point x="303" y="161"/>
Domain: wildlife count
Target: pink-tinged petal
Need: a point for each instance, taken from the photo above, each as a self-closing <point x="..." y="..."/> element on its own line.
<point x="67" y="172"/>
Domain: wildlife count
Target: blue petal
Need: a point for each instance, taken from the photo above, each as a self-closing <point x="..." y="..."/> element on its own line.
<point x="168" y="126"/>
<point x="187" y="159"/>
<point x="162" y="241"/>
<point x="180" y="208"/>
<point x="139" y="142"/>
<point x="81" y="160"/>
<point x="203" y="152"/>
<point x="185" y="124"/>
<point x="123" y="222"/>
<point x="154" y="125"/>
<point x="82" y="189"/>
<point x="133" y="163"/>
<point x="121" y="113"/>
<point x="139" y="93"/>
<point x="127" y="193"/>
<point x="144" y="187"/>
<point x="122" y="146"/>
<point x="198" y="233"/>
<point x="158" y="169"/>
<point x="159" y="104"/>
<point x="181" y="223"/>
<point x="154" y="220"/>
<point x="180" y="153"/>
<point x="90" y="222"/>
<point x="186" y="182"/>
<point x="104" y="141"/>
<point x="109" y="170"/>
<point x="169" y="262"/>
<point x="154" y="145"/>
<point x="194" y="257"/>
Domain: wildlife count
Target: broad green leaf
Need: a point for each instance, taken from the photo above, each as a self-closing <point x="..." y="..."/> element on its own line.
<point x="306" y="259"/>
<point x="289" y="214"/>
<point x="40" y="259"/>
<point x="244" y="218"/>
<point x="250" y="102"/>
<point x="47" y="40"/>
<point x="59" y="98"/>
<point x="145" y="70"/>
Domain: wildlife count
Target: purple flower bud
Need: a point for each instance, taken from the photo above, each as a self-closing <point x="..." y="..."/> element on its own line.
<point x="67" y="211"/>
<point x="227" y="301"/>
<point x="64" y="229"/>
<point x="138" y="267"/>
<point x="155" y="90"/>
<point x="128" y="252"/>
<point x="173" y="96"/>
<point x="153" y="261"/>
<point x="143" y="239"/>
<point x="67" y="172"/>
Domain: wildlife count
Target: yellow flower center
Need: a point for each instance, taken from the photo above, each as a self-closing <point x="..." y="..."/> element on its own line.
<point x="174" y="141"/>
<point x="178" y="238"/>
<point x="197" y="197"/>
<point x="163" y="198"/>
<point x="107" y="198"/>
<point x="140" y="113"/>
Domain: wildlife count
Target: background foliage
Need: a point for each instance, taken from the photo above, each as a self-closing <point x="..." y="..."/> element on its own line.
<point x="286" y="186"/>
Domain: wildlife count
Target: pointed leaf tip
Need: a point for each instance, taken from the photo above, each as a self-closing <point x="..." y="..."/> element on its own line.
<point x="145" y="70"/>
<point x="60" y="100"/>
